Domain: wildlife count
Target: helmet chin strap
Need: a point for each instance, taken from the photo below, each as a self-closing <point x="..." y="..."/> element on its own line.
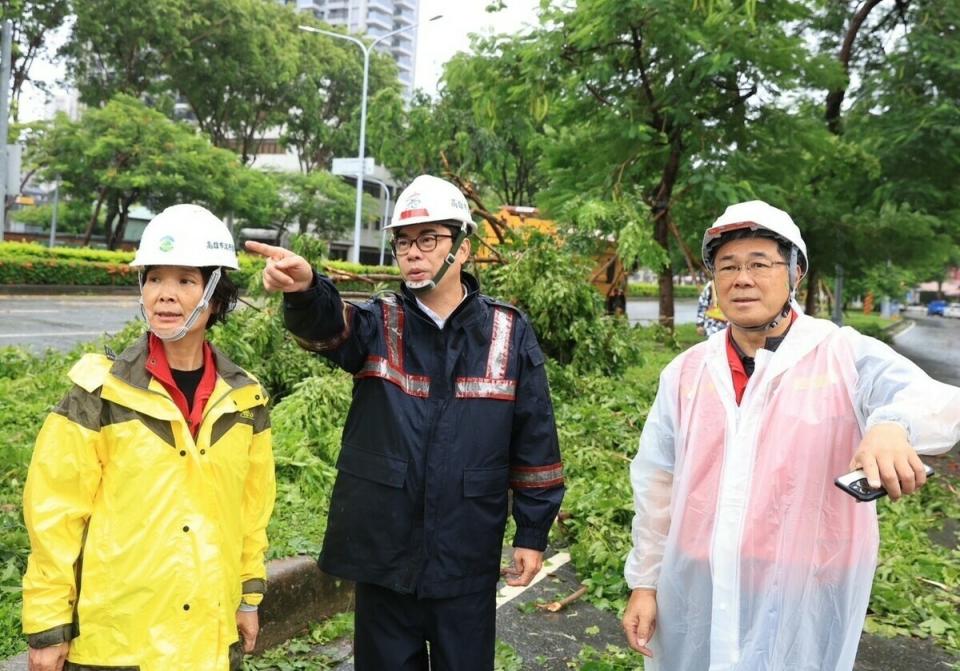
<point x="194" y="316"/>
<point x="425" y="286"/>
<point x="770" y="325"/>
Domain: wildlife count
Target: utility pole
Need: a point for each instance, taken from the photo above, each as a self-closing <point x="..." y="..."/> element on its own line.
<point x="5" y="54"/>
<point x="838" y="297"/>
<point x="53" y="218"/>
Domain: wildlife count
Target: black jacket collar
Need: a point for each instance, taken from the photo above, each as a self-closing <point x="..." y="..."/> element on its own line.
<point x="469" y="310"/>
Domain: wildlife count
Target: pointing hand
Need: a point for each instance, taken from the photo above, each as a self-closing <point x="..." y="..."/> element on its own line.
<point x="285" y="271"/>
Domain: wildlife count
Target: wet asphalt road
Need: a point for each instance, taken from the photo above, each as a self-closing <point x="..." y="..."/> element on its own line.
<point x="61" y="322"/>
<point x="934" y="345"/>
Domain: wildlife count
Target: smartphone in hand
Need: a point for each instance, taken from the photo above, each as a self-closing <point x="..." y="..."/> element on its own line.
<point x="855" y="484"/>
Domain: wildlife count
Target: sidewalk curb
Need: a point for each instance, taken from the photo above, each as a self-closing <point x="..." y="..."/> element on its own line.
<point x="298" y="595"/>
<point x="901" y="326"/>
<point x="69" y="289"/>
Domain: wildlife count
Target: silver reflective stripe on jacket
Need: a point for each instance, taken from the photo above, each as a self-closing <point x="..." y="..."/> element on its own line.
<point x="391" y="369"/>
<point x="495" y="383"/>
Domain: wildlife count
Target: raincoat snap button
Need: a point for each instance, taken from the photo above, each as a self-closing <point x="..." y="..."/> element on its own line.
<point x="257" y="397"/>
<point x="183" y="453"/>
<point x="186" y="529"/>
<point x="203" y="451"/>
<point x="186" y="606"/>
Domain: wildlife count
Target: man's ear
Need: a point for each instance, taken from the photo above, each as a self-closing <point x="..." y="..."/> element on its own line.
<point x="465" y="248"/>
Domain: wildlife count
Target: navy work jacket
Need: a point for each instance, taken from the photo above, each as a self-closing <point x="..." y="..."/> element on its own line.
<point x="443" y="423"/>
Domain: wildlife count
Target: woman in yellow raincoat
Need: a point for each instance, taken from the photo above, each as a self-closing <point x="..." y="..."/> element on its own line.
<point x="152" y="482"/>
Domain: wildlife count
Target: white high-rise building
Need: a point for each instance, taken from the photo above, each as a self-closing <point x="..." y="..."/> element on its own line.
<point x="374" y="18"/>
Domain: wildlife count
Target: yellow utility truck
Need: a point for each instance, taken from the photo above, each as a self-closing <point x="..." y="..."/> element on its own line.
<point x="608" y="274"/>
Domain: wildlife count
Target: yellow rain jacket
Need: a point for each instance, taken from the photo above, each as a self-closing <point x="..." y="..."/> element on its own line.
<point x="143" y="540"/>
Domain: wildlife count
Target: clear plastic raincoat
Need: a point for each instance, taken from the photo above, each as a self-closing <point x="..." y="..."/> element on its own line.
<point x="143" y="540"/>
<point x="759" y="561"/>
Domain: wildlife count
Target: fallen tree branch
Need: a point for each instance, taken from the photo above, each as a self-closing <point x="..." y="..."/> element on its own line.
<point x="556" y="606"/>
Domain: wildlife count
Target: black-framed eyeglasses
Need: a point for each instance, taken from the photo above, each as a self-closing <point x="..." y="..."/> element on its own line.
<point x="425" y="242"/>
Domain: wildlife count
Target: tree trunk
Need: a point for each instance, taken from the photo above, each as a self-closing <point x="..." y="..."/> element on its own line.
<point x="93" y="219"/>
<point x="661" y="226"/>
<point x="121" y="228"/>
<point x="835" y="96"/>
<point x="661" y="233"/>
<point x="113" y="208"/>
<point x="812" y="279"/>
<point x="834" y="101"/>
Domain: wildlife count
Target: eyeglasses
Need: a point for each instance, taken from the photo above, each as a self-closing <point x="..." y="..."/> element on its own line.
<point x="759" y="270"/>
<point x="425" y="242"/>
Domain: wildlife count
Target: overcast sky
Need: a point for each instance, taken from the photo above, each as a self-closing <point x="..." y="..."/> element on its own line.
<point x="439" y="40"/>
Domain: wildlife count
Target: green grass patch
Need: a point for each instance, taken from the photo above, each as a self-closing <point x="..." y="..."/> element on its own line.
<point x="916" y="591"/>
<point x="312" y="652"/>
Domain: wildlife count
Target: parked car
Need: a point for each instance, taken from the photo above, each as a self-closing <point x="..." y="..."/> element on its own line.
<point x="936" y="307"/>
<point x="952" y="310"/>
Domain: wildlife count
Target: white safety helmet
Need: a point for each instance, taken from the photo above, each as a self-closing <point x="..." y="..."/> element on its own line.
<point x="429" y="199"/>
<point x="755" y="215"/>
<point x="186" y="235"/>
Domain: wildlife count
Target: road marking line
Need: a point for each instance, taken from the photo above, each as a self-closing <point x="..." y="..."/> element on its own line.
<point x="906" y="329"/>
<point x="53" y="334"/>
<point x="27" y="312"/>
<point x="508" y="593"/>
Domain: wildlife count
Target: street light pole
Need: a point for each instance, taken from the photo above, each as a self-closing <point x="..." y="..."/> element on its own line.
<point x="386" y="213"/>
<point x="355" y="251"/>
<point x="5" y="48"/>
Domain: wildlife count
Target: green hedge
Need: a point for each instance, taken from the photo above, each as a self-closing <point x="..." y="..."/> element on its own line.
<point x="31" y="263"/>
<point x="650" y="290"/>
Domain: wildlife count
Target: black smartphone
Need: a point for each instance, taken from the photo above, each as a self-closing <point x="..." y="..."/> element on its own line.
<point x="855" y="484"/>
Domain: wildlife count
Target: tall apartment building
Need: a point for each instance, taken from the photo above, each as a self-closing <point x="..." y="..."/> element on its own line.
<point x="374" y="18"/>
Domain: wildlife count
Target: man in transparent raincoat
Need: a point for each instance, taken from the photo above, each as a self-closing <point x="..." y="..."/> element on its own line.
<point x="745" y="556"/>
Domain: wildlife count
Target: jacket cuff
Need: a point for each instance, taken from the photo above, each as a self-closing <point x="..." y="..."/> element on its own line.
<point x="55" y="636"/>
<point x="253" y="591"/>
<point x="885" y="417"/>
<point x="299" y="299"/>
<point x="531" y="538"/>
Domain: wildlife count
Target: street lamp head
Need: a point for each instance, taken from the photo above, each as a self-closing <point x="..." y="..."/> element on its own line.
<point x="366" y="48"/>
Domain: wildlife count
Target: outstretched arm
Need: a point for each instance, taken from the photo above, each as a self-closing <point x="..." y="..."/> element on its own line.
<point x="904" y="413"/>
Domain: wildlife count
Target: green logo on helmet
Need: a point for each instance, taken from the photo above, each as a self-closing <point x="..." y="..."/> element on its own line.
<point x="166" y="243"/>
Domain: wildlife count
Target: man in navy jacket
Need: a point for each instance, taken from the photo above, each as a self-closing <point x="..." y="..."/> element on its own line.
<point x="451" y="410"/>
